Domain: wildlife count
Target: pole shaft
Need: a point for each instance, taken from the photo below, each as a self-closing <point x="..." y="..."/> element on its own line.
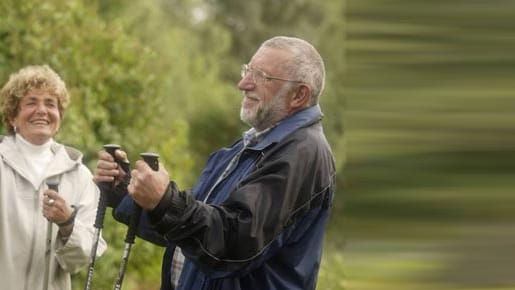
<point x="152" y="160"/>
<point x="48" y="252"/>
<point x="99" y="219"/>
<point x="52" y="184"/>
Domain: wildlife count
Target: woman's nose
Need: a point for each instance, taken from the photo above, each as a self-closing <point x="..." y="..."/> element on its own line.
<point x="41" y="108"/>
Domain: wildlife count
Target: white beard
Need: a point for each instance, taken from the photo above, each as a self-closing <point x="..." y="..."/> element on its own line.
<point x="264" y="115"/>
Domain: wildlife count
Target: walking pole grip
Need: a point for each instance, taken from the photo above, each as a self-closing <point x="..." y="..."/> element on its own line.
<point x="101" y="209"/>
<point x="53" y="186"/>
<point x="152" y="160"/>
<point x="99" y="218"/>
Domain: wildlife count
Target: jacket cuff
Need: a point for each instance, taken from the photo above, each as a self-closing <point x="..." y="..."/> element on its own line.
<point x="116" y="195"/>
<point x="169" y="202"/>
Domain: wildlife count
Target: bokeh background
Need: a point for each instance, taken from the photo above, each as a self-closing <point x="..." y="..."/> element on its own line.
<point x="419" y="109"/>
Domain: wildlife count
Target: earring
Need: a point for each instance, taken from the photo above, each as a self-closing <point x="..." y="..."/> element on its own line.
<point x="15" y="129"/>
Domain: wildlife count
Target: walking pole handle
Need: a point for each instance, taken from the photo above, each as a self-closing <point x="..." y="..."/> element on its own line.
<point x="101" y="209"/>
<point x="152" y="159"/>
<point x="99" y="218"/>
<point x="53" y="186"/>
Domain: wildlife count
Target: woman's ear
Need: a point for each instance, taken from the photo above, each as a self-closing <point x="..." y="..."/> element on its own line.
<point x="13" y="125"/>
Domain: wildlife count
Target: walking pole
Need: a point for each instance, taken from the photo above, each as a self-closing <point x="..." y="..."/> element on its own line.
<point x="99" y="219"/>
<point x="152" y="160"/>
<point x="53" y="184"/>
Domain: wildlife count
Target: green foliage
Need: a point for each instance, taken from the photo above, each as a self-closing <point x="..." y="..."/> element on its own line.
<point x="116" y="98"/>
<point x="188" y="73"/>
<point x="104" y="70"/>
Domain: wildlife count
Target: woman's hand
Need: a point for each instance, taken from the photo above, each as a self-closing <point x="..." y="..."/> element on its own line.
<point x="55" y="208"/>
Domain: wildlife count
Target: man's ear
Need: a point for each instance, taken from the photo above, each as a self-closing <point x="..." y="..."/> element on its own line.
<point x="301" y="98"/>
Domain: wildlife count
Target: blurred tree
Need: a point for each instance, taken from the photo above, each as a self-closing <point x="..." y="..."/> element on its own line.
<point x="190" y="49"/>
<point x="106" y="72"/>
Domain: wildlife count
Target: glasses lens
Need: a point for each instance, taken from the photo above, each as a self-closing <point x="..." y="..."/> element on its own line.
<point x="243" y="71"/>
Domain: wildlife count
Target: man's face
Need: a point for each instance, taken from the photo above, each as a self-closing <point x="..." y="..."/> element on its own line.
<point x="265" y="101"/>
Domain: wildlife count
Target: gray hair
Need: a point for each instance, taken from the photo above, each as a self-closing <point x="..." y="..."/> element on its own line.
<point x="306" y="64"/>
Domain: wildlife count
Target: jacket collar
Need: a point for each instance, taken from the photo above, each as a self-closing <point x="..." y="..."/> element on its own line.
<point x="298" y="120"/>
<point x="63" y="160"/>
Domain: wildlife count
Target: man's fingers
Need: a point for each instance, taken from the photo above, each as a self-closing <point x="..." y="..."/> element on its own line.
<point x="141" y="165"/>
<point x="105" y="171"/>
<point x="121" y="155"/>
<point x="103" y="155"/>
<point x="103" y="178"/>
<point x="107" y="165"/>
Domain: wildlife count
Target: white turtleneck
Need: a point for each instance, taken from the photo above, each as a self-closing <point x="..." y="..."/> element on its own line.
<point x="37" y="156"/>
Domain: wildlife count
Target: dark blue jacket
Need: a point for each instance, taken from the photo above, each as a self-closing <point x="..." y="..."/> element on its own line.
<point x="262" y="225"/>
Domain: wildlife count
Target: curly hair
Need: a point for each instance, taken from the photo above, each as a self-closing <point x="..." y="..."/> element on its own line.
<point x="27" y="79"/>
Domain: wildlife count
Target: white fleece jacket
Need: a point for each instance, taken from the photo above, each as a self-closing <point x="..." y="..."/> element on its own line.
<point x="23" y="227"/>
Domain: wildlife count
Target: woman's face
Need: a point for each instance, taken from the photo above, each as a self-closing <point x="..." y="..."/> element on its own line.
<point x="38" y="118"/>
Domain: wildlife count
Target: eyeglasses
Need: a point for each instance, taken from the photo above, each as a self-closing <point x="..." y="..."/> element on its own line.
<point x="259" y="75"/>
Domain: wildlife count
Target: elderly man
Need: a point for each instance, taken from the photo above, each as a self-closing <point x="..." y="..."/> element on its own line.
<point x="257" y="215"/>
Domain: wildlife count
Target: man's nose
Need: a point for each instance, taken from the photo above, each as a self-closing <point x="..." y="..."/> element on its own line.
<point x="246" y="83"/>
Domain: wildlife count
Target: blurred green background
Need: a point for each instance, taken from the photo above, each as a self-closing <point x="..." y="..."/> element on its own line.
<point x="419" y="108"/>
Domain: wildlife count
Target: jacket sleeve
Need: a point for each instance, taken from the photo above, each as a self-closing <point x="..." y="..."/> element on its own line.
<point x="146" y="230"/>
<point x="254" y="220"/>
<point x="75" y="252"/>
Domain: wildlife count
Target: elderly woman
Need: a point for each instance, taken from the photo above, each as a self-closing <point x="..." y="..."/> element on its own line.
<point x="46" y="234"/>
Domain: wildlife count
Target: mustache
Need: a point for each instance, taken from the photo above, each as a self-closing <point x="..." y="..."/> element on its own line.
<point x="251" y="96"/>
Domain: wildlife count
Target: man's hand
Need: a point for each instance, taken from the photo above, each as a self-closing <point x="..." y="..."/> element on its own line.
<point x="107" y="169"/>
<point x="147" y="186"/>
